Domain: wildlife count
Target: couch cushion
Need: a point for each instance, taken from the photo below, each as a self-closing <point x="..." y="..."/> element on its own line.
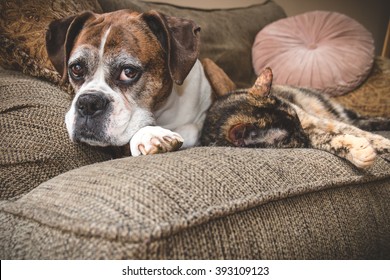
<point x="34" y="144"/>
<point x="205" y="203"/>
<point x="23" y="26"/>
<point x="227" y="35"/>
<point x="327" y="51"/>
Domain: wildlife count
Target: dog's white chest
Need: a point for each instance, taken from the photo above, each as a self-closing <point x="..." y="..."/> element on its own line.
<point x="188" y="102"/>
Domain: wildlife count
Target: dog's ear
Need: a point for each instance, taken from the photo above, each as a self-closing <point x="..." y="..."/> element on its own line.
<point x="60" y="38"/>
<point x="220" y="82"/>
<point x="180" y="39"/>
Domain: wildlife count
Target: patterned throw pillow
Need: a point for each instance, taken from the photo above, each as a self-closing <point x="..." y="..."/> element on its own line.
<point x="372" y="98"/>
<point x="23" y="26"/>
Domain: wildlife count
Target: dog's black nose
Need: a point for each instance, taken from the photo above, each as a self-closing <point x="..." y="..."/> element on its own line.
<point x="91" y="104"/>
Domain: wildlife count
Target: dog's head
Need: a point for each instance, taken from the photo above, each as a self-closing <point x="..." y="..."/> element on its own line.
<point x="122" y="66"/>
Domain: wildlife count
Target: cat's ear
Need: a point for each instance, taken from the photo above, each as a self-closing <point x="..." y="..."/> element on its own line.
<point x="262" y="86"/>
<point x="239" y="132"/>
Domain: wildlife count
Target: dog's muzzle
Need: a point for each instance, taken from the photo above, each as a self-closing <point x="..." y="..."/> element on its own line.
<point x="91" y="104"/>
<point x="92" y="112"/>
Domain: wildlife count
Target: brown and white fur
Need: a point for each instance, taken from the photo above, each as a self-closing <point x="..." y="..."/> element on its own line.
<point x="138" y="82"/>
<point x="288" y="117"/>
<point x="136" y="78"/>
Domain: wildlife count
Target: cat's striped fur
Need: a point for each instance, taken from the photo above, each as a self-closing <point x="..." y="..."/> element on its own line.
<point x="288" y="117"/>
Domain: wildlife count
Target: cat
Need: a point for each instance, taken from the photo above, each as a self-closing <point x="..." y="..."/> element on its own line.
<point x="267" y="116"/>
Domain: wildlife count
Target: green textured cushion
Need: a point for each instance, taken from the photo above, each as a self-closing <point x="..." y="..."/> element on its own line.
<point x="34" y="144"/>
<point x="205" y="203"/>
<point x="226" y="35"/>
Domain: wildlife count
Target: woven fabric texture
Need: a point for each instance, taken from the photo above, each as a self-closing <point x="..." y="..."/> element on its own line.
<point x="34" y="143"/>
<point x="223" y="203"/>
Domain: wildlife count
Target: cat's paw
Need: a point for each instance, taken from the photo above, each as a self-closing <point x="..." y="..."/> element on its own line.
<point x="360" y="151"/>
<point x="154" y="140"/>
<point x="380" y="144"/>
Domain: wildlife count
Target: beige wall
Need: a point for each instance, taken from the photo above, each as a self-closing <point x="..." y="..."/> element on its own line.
<point x="211" y="4"/>
<point x="373" y="14"/>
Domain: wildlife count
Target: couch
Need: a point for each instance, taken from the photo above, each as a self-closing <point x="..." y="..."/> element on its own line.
<point x="61" y="200"/>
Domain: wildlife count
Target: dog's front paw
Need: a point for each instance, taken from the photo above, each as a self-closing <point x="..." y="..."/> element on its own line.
<point x="154" y="140"/>
<point x="361" y="153"/>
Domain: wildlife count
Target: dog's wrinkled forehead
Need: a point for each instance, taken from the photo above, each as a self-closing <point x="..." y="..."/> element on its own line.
<point x="170" y="44"/>
<point x="115" y="36"/>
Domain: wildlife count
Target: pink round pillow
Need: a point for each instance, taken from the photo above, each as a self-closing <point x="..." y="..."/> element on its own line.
<point x="326" y="51"/>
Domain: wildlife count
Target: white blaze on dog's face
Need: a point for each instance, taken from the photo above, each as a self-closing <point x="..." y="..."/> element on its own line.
<point x="119" y="66"/>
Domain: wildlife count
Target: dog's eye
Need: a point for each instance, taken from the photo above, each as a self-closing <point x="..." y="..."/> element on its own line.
<point x="77" y="71"/>
<point x="128" y="74"/>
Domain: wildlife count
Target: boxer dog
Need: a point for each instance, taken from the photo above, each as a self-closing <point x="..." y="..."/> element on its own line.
<point x="136" y="76"/>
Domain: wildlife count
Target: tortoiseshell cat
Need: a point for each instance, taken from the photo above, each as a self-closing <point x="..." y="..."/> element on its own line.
<point x="288" y="117"/>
